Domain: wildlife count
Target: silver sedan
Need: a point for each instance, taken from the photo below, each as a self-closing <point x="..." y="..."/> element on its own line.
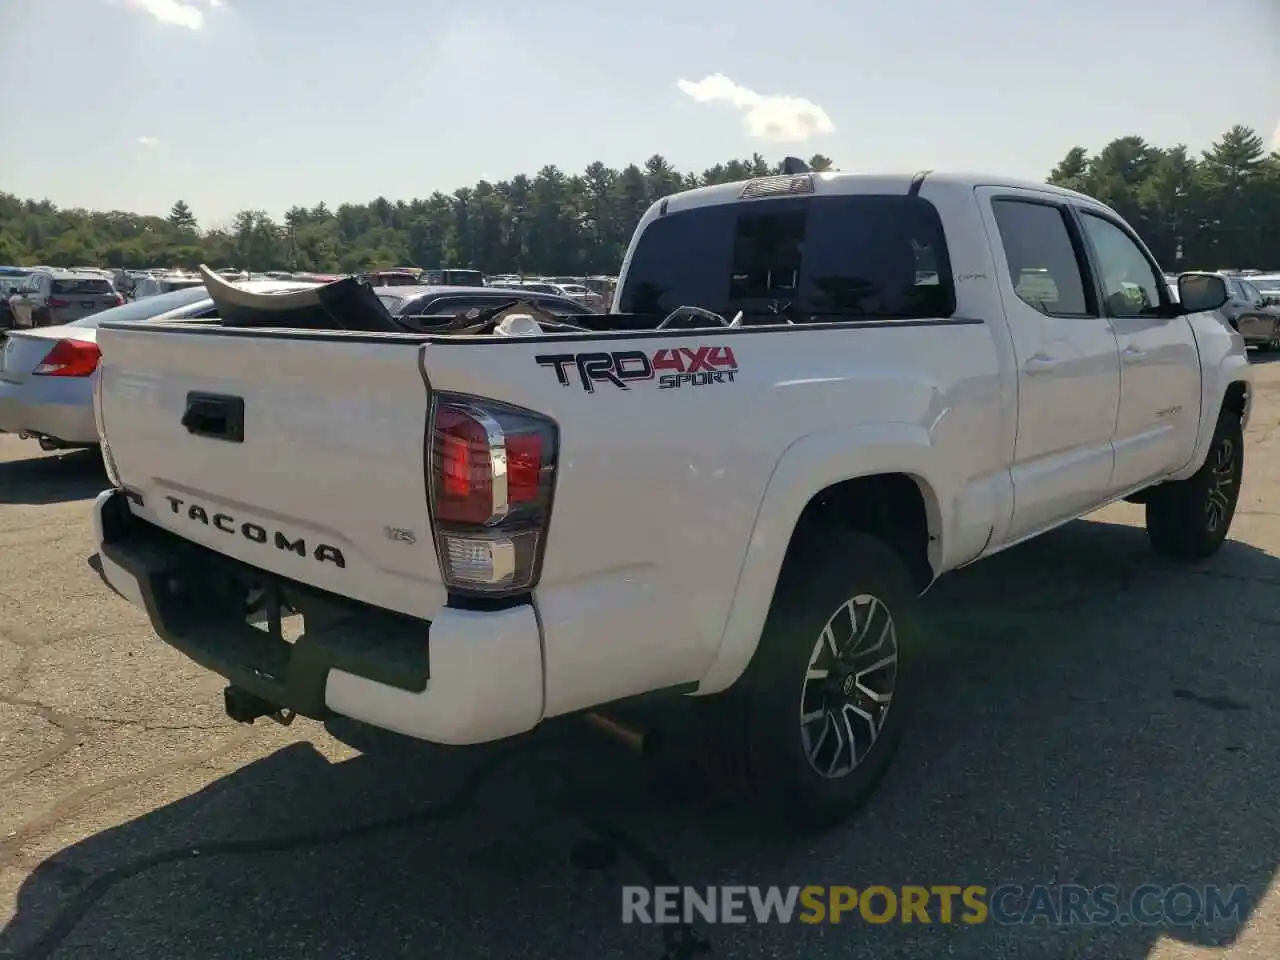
<point x="47" y="374"/>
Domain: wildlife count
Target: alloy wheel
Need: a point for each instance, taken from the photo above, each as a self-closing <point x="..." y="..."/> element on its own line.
<point x="1222" y="475"/>
<point x="849" y="686"/>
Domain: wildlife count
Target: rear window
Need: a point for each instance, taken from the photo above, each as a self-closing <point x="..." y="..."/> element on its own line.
<point x="147" y="307"/>
<point x="814" y="258"/>
<point x="82" y="287"/>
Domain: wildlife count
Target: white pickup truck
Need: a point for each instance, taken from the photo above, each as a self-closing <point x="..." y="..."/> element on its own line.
<point x="483" y="525"/>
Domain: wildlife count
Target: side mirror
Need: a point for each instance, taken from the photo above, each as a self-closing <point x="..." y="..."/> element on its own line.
<point x="1201" y="292"/>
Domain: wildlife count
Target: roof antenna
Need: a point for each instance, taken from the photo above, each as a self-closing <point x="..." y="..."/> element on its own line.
<point x="795" y="165"/>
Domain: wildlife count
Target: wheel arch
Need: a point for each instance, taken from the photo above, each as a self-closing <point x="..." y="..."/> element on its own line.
<point x="1226" y="381"/>
<point x="870" y="475"/>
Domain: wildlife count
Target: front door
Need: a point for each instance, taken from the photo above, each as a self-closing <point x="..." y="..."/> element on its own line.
<point x="1068" y="363"/>
<point x="1159" y="361"/>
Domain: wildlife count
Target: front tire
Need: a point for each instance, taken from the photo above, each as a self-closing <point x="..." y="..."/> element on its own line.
<point x="811" y="728"/>
<point x="1188" y="520"/>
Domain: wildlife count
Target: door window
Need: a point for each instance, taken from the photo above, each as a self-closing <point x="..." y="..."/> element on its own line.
<point x="1130" y="284"/>
<point x="1252" y="295"/>
<point x="1044" y="266"/>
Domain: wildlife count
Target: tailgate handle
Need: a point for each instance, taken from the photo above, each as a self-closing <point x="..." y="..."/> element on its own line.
<point x="215" y="415"/>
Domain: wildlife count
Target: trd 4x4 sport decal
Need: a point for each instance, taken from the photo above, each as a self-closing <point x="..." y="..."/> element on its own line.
<point x="671" y="367"/>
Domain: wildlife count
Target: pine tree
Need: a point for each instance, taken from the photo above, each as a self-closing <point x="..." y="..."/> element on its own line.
<point x="180" y="216"/>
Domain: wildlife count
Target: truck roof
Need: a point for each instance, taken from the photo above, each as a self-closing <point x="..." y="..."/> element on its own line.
<point x="841" y="184"/>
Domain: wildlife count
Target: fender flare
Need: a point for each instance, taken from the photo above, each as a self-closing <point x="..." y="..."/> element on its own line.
<point x="1231" y="368"/>
<point x="806" y="467"/>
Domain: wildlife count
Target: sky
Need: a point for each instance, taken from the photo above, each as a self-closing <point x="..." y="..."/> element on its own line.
<point x="263" y="104"/>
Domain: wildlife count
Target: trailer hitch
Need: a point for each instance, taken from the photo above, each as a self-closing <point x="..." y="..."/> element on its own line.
<point x="245" y="707"/>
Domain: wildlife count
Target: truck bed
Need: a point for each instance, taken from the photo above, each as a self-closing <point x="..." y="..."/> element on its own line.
<point x="668" y="441"/>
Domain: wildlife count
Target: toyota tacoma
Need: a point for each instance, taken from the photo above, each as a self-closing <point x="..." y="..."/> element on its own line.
<point x="814" y="394"/>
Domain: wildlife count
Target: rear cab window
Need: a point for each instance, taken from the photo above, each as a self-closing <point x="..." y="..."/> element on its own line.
<point x="810" y="259"/>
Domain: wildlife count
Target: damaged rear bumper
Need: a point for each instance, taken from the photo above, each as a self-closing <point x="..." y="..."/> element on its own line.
<point x="465" y="677"/>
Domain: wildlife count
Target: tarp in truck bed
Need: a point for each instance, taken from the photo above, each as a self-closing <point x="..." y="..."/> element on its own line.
<point x="345" y="304"/>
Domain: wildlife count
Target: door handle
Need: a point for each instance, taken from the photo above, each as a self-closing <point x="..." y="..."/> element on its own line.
<point x="1040" y="364"/>
<point x="215" y="416"/>
<point x="1133" y="355"/>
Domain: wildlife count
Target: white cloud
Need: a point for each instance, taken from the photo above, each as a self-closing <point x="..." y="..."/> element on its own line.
<point x="777" y="117"/>
<point x="148" y="141"/>
<point x="176" y="12"/>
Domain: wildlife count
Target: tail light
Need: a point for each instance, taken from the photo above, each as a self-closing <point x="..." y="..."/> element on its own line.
<point x="53" y="303"/>
<point x="490" y="477"/>
<point x="69" y="358"/>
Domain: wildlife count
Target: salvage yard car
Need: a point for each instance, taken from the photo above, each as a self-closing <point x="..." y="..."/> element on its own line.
<point x="817" y="394"/>
<point x="50" y="297"/>
<point x="429" y="305"/>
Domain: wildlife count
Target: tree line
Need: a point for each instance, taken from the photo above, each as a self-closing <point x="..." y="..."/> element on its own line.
<point x="1219" y="209"/>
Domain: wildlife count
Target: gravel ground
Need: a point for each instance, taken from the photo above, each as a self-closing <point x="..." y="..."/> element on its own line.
<point x="1098" y="717"/>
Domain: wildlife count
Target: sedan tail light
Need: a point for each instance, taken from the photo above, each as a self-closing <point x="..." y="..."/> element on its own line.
<point x="69" y="358"/>
<point x="490" y="477"/>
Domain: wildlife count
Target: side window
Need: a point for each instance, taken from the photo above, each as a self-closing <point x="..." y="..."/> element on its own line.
<point x="560" y="306"/>
<point x="453" y="306"/>
<point x="1251" y="293"/>
<point x="1130" y="283"/>
<point x="1043" y="266"/>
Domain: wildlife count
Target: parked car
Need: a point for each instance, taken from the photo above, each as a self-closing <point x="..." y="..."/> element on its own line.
<point x="47" y="374"/>
<point x="1269" y="285"/>
<point x="424" y="304"/>
<point x="1252" y="313"/>
<point x="156" y="284"/>
<point x="735" y="488"/>
<point x="451" y="277"/>
<point x="51" y="297"/>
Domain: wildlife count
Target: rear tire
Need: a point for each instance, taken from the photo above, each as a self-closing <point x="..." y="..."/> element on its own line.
<point x="1188" y="520"/>
<point x="807" y="733"/>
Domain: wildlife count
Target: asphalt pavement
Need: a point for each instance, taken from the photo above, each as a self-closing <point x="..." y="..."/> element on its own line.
<point x="1097" y="716"/>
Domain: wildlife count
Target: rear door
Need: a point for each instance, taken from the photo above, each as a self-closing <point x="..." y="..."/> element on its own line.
<point x="74" y="297"/>
<point x="1252" y="325"/>
<point x="1068" y="360"/>
<point x="1269" y="325"/>
<point x="23" y="303"/>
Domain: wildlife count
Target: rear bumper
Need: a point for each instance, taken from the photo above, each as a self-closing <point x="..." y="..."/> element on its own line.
<point x="48" y="410"/>
<point x="466" y="677"/>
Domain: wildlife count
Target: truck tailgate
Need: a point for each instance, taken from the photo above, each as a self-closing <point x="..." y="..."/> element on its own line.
<point x="322" y="482"/>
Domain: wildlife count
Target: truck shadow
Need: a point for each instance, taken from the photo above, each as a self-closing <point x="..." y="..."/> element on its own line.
<point x="1095" y="717"/>
<point x="52" y="478"/>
